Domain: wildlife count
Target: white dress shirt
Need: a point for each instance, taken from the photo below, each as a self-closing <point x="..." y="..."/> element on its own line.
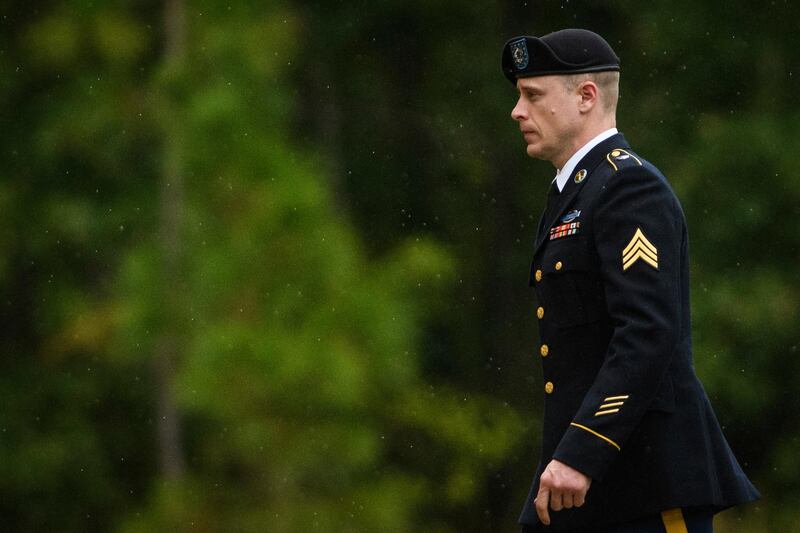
<point x="563" y="174"/>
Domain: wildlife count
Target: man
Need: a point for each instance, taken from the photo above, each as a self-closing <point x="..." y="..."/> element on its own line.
<point x="630" y="442"/>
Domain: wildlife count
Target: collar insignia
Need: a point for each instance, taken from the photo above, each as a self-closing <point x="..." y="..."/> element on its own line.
<point x="580" y="175"/>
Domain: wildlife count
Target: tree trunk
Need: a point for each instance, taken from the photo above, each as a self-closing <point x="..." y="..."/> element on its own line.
<point x="169" y="345"/>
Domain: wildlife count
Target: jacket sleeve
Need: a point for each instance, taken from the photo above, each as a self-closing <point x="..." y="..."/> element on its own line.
<point x="639" y="229"/>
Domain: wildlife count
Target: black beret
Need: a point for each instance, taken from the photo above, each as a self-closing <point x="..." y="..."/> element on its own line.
<point x="570" y="51"/>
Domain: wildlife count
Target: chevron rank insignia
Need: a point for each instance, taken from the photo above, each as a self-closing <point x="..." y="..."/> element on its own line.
<point x="639" y="248"/>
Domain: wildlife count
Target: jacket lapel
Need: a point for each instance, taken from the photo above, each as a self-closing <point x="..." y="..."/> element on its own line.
<point x="589" y="162"/>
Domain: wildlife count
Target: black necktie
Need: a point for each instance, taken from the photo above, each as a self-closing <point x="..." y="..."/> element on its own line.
<point x="553" y="191"/>
<point x="552" y="203"/>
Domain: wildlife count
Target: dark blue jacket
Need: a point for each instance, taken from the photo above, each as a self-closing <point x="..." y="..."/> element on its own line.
<point x="622" y="403"/>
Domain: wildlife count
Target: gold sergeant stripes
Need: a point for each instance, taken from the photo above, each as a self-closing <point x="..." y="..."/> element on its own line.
<point x="639" y="248"/>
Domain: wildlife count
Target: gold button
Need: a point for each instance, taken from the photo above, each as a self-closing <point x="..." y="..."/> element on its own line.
<point x="615" y="153"/>
<point x="540" y="313"/>
<point x="544" y="350"/>
<point x="538" y="275"/>
<point x="559" y="265"/>
<point x="548" y="387"/>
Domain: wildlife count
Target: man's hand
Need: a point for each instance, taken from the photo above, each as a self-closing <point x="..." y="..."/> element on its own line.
<point x="560" y="487"/>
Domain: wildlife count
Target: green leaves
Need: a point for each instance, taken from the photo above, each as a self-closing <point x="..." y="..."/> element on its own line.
<point x="357" y="216"/>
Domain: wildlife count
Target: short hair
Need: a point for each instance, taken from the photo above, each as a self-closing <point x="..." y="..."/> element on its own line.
<point x="607" y="81"/>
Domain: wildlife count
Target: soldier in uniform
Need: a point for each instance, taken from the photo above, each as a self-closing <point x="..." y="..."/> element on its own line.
<point x="629" y="442"/>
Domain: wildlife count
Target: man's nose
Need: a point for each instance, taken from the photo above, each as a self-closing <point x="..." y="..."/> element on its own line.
<point x="518" y="113"/>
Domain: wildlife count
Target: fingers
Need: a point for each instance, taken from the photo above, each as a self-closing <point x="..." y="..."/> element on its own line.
<point x="556" y="500"/>
<point x="580" y="498"/>
<point x="560" y="487"/>
<point x="567" y="500"/>
<point x="542" y="502"/>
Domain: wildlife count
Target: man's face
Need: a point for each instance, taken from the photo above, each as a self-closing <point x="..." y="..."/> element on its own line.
<point x="548" y="117"/>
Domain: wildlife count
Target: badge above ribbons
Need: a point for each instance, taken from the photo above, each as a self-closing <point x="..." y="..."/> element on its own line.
<point x="572" y="215"/>
<point x="569" y="225"/>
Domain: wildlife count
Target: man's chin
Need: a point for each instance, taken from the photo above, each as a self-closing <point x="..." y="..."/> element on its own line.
<point x="534" y="151"/>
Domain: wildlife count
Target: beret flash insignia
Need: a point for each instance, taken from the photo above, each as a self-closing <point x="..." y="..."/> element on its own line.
<point x="519" y="53"/>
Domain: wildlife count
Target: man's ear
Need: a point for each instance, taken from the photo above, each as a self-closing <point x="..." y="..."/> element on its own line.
<point x="589" y="95"/>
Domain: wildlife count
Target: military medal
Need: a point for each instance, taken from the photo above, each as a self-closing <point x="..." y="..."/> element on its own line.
<point x="556" y="232"/>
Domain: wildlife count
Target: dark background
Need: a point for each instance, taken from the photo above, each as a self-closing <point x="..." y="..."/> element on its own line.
<point x="264" y="265"/>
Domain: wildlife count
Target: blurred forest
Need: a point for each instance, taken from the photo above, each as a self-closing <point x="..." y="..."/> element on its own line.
<point x="264" y="264"/>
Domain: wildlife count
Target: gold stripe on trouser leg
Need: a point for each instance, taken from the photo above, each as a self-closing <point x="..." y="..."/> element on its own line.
<point x="673" y="521"/>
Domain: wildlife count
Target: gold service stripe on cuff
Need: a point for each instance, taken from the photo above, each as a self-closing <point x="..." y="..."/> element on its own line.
<point x="612" y="398"/>
<point x="598" y="413"/>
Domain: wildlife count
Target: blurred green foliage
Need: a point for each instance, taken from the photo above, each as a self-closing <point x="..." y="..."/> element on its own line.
<point x="345" y="285"/>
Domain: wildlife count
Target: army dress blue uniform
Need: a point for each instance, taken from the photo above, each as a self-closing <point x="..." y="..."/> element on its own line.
<point x="622" y="403"/>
